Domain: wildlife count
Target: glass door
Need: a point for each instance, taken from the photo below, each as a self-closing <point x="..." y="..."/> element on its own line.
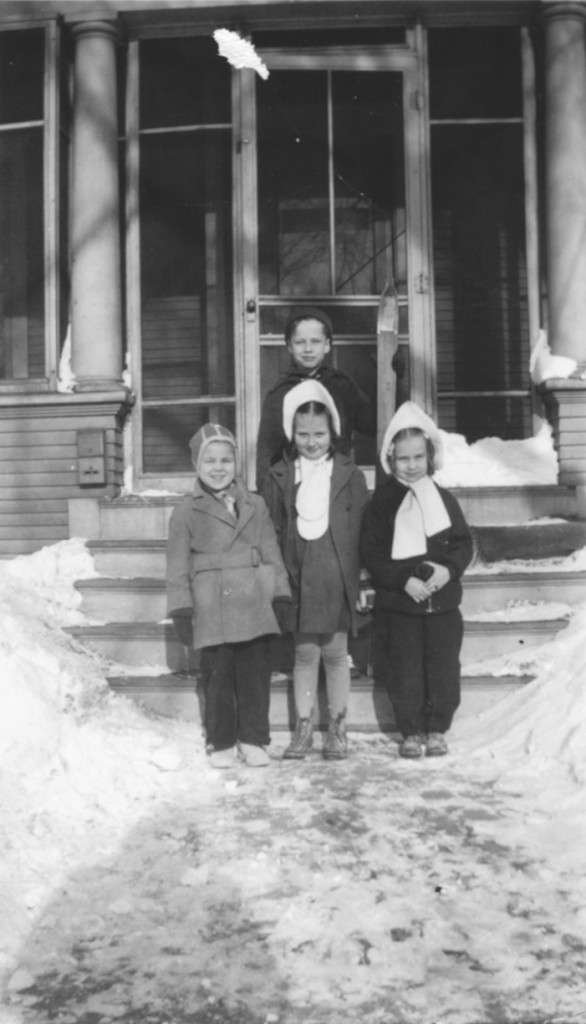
<point x="339" y="202"/>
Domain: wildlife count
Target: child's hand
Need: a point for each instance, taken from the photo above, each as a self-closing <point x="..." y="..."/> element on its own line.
<point x="440" y="577"/>
<point x="417" y="589"/>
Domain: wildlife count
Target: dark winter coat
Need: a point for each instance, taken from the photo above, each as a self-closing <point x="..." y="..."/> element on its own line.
<point x="229" y="571"/>
<point x="348" y="499"/>
<point x="356" y="411"/>
<point x="451" y="548"/>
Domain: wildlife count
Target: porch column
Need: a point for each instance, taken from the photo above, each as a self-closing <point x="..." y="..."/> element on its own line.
<point x="96" y="301"/>
<point x="565" y="113"/>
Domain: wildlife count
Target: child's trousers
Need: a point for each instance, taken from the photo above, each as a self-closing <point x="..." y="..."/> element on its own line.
<point x="309" y="649"/>
<point x="424" y="670"/>
<point x="237" y="683"/>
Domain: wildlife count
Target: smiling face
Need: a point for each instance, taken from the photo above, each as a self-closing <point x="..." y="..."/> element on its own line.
<point x="311" y="434"/>
<point x="409" y="460"/>
<point x="309" y="344"/>
<point x="217" y="465"/>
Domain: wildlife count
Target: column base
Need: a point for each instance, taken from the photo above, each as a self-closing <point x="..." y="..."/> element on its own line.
<point x="111" y="384"/>
<point x="565" y="404"/>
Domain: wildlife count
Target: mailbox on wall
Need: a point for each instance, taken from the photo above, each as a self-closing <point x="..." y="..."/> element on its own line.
<point x="91" y="457"/>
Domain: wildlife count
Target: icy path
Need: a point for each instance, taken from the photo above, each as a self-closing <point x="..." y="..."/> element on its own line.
<point x="375" y="891"/>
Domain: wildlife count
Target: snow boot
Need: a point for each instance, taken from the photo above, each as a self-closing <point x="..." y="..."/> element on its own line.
<point x="254" y="756"/>
<point x="301" y="741"/>
<point x="223" y="758"/>
<point x="411" y="747"/>
<point x="436" y="745"/>
<point x="336" y="745"/>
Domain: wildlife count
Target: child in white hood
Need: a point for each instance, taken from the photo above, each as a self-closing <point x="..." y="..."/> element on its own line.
<point x="316" y="497"/>
<point x="416" y="545"/>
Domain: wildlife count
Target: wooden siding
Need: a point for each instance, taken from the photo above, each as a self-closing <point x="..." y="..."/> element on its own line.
<point x="39" y="465"/>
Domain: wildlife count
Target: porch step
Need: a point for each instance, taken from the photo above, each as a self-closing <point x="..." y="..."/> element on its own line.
<point x="538" y="540"/>
<point x="148" y="516"/>
<point x="129" y="558"/>
<point x="153" y="643"/>
<point x="144" y="599"/>
<point x="177" y="696"/>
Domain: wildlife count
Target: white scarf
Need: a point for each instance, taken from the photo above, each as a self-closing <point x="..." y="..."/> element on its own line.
<point x="421" y="514"/>
<point x="312" y="501"/>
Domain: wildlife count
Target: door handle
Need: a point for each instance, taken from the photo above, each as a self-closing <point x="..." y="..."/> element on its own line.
<point x="251" y="311"/>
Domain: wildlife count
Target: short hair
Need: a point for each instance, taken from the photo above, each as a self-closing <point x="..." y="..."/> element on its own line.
<point x="407" y="432"/>
<point x="308" y="313"/>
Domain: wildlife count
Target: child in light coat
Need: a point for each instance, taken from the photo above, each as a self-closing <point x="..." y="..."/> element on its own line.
<point x="316" y="497"/>
<point x="226" y="587"/>
<point x="416" y="545"/>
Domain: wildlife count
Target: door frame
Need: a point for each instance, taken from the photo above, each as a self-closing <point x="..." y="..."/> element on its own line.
<point x="410" y="60"/>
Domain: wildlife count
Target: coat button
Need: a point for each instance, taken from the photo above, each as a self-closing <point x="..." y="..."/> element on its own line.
<point x="227" y="593"/>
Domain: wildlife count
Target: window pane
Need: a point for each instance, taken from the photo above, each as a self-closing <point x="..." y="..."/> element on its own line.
<point x="480" y="268"/>
<point x="475" y="72"/>
<point x="21" y="76"/>
<point x="293" y="184"/>
<point x="369" y="178"/>
<point x="167" y="432"/>
<point x="183" y="82"/>
<point x="186" y="278"/>
<point x="21" y="255"/>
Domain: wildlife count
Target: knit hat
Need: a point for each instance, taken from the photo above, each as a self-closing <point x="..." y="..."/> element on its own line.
<point x="205" y="435"/>
<point x="309" y="390"/>
<point x="410" y="415"/>
<point x="307" y="313"/>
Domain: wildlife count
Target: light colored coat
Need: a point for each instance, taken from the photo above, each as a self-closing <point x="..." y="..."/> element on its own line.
<point x="229" y="571"/>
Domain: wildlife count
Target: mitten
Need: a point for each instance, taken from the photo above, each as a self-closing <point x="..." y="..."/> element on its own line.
<point x="283" y="609"/>
<point x="183" y="625"/>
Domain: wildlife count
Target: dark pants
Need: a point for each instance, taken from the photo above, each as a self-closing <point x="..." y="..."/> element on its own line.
<point x="237" y="683"/>
<point x="423" y="678"/>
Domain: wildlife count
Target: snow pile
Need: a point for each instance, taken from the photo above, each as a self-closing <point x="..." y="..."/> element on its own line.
<point x="239" y="52"/>
<point x="493" y="462"/>
<point x="543" y="365"/>
<point x="542" y="726"/>
<point x="70" y="753"/>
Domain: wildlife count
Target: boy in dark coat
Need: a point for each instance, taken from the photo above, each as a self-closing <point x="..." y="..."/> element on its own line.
<point x="225" y="582"/>
<point x="416" y="544"/>
<point x="308" y="336"/>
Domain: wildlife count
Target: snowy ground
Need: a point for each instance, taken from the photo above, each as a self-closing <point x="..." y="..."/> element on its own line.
<point x="137" y="885"/>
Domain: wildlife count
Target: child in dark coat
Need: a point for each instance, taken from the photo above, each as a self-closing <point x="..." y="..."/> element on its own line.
<point x="416" y="545"/>
<point x="225" y="581"/>
<point x="316" y="498"/>
<point x="309" y="338"/>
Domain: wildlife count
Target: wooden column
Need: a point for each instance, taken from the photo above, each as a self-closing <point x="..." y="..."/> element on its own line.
<point x="565" y="93"/>
<point x="96" y="302"/>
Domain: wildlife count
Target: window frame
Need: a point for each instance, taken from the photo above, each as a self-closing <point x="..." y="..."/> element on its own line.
<point x="51" y="208"/>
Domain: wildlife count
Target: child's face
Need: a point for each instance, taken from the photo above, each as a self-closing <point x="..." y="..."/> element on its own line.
<point x="217" y="467"/>
<point x="309" y="344"/>
<point x="409" y="460"/>
<point x="311" y="434"/>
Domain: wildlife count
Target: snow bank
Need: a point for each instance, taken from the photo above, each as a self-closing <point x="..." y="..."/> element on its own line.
<point x="497" y="463"/>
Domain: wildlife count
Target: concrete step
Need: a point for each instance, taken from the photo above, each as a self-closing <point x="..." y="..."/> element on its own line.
<point x="129" y="558"/>
<point x="537" y="540"/>
<point x="136" y="515"/>
<point x="151" y="643"/>
<point x="179" y="696"/>
<point x="144" y="599"/>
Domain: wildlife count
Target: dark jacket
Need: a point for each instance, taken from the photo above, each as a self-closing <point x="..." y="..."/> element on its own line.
<point x="357" y="412"/>
<point x="229" y="571"/>
<point x="451" y="548"/>
<point x="348" y="499"/>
